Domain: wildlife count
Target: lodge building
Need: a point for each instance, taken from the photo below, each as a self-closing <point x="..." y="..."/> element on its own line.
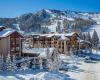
<point x="62" y="42"/>
<point x="10" y="42"/>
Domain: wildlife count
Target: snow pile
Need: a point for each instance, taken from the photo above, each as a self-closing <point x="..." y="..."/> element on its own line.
<point x="30" y="74"/>
<point x="96" y="51"/>
<point x="70" y="19"/>
<point x="51" y="76"/>
<point x="39" y="51"/>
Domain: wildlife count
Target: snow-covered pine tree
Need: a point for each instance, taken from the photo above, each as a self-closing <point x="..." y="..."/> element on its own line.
<point x="9" y="65"/>
<point x="65" y="23"/>
<point x="95" y="38"/>
<point x="88" y="37"/>
<point x="53" y="62"/>
<point x="47" y="52"/>
<point x="84" y="36"/>
<point x="58" y="28"/>
<point x="56" y="62"/>
<point x="48" y="61"/>
<point x="80" y="35"/>
<point x="14" y="62"/>
<point x="44" y="30"/>
<point x="41" y="63"/>
<point x="24" y="66"/>
<point x="34" y="63"/>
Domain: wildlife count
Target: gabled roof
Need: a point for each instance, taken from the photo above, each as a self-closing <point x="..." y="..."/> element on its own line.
<point x="7" y="32"/>
<point x="70" y="34"/>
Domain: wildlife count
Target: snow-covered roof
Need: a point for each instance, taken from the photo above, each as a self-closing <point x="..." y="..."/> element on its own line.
<point x="82" y="41"/>
<point x="6" y="32"/>
<point x="50" y="35"/>
<point x="70" y="34"/>
<point x="63" y="37"/>
<point x="42" y="52"/>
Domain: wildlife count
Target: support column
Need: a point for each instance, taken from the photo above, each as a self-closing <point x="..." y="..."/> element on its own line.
<point x="61" y="46"/>
<point x="65" y="47"/>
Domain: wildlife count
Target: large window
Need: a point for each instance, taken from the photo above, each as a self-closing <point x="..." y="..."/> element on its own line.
<point x="12" y="41"/>
<point x="13" y="49"/>
<point x="17" y="49"/>
<point x="17" y="40"/>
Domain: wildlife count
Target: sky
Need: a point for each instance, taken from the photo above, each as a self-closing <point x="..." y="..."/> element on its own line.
<point x="14" y="8"/>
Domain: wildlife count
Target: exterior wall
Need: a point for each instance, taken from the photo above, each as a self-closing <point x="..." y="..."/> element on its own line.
<point x="73" y="41"/>
<point x="62" y="46"/>
<point x="5" y="46"/>
<point x="15" y="44"/>
<point x="8" y="43"/>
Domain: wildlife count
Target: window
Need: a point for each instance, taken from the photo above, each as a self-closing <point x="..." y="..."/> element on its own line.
<point x="13" y="49"/>
<point x="17" y="40"/>
<point x="12" y="41"/>
<point x="17" y="49"/>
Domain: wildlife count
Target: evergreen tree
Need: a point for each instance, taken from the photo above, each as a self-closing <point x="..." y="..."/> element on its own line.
<point x="9" y="65"/>
<point x="83" y="36"/>
<point x="41" y="63"/>
<point x="58" y="28"/>
<point x="80" y="35"/>
<point x="95" y="38"/>
<point x="88" y="37"/>
<point x="53" y="61"/>
<point x="65" y="24"/>
<point x="24" y="65"/>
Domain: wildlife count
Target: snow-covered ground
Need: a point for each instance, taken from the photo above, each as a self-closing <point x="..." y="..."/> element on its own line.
<point x="95" y="27"/>
<point x="83" y="71"/>
<point x="30" y="74"/>
<point x="96" y="51"/>
<point x="90" y="71"/>
<point x="76" y="71"/>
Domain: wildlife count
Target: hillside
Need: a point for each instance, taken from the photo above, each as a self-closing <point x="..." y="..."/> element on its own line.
<point x="47" y="20"/>
<point x="96" y="26"/>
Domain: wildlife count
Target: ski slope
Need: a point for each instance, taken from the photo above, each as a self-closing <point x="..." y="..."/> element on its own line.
<point x="95" y="27"/>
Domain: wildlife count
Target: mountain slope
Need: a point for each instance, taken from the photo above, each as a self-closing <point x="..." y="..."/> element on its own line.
<point x="48" y="20"/>
<point x="96" y="26"/>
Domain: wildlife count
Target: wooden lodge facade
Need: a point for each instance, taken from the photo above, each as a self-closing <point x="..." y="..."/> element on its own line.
<point x="10" y="42"/>
<point x="62" y="42"/>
